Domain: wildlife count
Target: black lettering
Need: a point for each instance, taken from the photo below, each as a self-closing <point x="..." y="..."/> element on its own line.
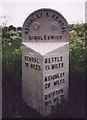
<point x="31" y="20"/>
<point x="63" y="74"/>
<point x="37" y="15"/>
<point x="48" y="85"/>
<point x="61" y="58"/>
<point x="58" y="59"/>
<point x="35" y="66"/>
<point x="45" y="97"/>
<point x="48" y="37"/>
<point x="27" y="29"/>
<point x="52" y="37"/>
<point x="59" y="65"/>
<point x="62" y="65"/>
<point x="49" y="78"/>
<point x="63" y="30"/>
<point x="26" y="64"/>
<point x="47" y="102"/>
<point x="61" y="90"/>
<point x="45" y="79"/>
<point x="60" y="37"/>
<point x="59" y="20"/>
<point x="44" y="37"/>
<point x="25" y="57"/>
<point x="52" y="66"/>
<point x="55" y="59"/>
<point x="55" y="66"/>
<point x="41" y="37"/>
<point x="56" y="18"/>
<point x="39" y="67"/>
<point x="54" y="83"/>
<point x="49" y="95"/>
<point x="38" y="37"/>
<point x="35" y="37"/>
<point x="53" y="93"/>
<point x="60" y="74"/>
<point x="49" y="60"/>
<point x="56" y="99"/>
<point x="62" y="24"/>
<point x="30" y="37"/>
<point x="56" y="92"/>
<point x="34" y="18"/>
<point x="26" y="32"/>
<point x="47" y="14"/>
<point x="63" y="80"/>
<point x="60" y="81"/>
<point x="52" y="59"/>
<point x="45" y="85"/>
<point x="53" y="16"/>
<point x="29" y="58"/>
<point x="57" y="37"/>
<point x="46" y="60"/>
<point x="47" y="67"/>
<point x="28" y="24"/>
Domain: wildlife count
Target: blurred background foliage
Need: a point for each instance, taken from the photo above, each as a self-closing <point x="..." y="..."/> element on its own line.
<point x="12" y="62"/>
<point x="78" y="48"/>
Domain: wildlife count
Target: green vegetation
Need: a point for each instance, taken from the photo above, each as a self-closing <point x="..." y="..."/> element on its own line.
<point x="11" y="51"/>
<point x="11" y="70"/>
<point x="77" y="48"/>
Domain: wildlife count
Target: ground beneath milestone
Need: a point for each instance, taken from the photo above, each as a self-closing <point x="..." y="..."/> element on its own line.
<point x="75" y="108"/>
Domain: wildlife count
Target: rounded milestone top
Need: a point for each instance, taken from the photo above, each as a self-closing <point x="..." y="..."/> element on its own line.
<point x="45" y="25"/>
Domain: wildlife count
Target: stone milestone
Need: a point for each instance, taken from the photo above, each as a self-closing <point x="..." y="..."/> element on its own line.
<point x="45" y="61"/>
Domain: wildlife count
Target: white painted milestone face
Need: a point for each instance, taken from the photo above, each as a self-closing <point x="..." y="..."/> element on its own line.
<point x="45" y="25"/>
<point x="45" y="54"/>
